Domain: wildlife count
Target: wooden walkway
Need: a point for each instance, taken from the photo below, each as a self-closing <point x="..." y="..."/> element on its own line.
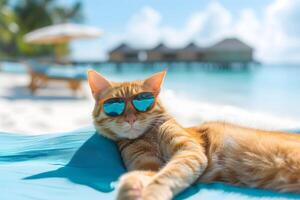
<point x="150" y="65"/>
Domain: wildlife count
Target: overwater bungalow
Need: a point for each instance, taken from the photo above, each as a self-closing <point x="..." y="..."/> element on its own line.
<point x="226" y="52"/>
<point x="191" y="52"/>
<point x="230" y="50"/>
<point x="124" y="53"/>
<point x="162" y="53"/>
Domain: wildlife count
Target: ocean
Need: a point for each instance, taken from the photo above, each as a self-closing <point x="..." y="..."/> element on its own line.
<point x="264" y="96"/>
<point x="265" y="91"/>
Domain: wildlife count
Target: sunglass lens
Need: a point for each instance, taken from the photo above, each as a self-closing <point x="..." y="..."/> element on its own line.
<point x="143" y="101"/>
<point x="114" y="107"/>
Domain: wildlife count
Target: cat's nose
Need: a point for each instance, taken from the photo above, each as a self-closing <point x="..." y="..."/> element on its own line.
<point x="130" y="119"/>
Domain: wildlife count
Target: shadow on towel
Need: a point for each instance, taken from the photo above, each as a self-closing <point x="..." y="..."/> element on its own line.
<point x="96" y="164"/>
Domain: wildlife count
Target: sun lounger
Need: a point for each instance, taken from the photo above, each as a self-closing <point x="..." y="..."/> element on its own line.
<point x="42" y="74"/>
<point x="83" y="165"/>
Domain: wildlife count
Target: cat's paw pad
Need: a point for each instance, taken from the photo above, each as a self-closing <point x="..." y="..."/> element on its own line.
<point x="130" y="188"/>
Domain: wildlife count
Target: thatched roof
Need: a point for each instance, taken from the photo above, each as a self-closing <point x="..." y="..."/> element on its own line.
<point x="231" y="44"/>
<point x="192" y="47"/>
<point x="124" y="48"/>
<point x="162" y="48"/>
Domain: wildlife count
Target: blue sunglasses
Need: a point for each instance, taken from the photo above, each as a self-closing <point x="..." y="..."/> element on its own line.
<point x="141" y="102"/>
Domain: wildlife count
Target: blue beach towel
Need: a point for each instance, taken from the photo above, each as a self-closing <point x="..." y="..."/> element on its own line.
<point x="83" y="165"/>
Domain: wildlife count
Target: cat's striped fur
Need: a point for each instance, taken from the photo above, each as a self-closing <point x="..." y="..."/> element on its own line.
<point x="164" y="158"/>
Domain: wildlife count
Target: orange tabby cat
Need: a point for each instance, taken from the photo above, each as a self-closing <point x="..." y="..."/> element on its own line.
<point x="164" y="158"/>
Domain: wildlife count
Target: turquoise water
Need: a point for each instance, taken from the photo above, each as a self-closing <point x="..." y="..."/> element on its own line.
<point x="272" y="89"/>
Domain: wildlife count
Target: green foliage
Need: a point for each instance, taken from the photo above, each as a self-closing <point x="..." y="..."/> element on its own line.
<point x="27" y="15"/>
<point x="8" y="28"/>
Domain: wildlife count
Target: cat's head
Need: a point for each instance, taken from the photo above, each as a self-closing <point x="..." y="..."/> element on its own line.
<point x="130" y="123"/>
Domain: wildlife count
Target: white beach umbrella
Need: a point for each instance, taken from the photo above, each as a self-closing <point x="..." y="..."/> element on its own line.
<point x="61" y="33"/>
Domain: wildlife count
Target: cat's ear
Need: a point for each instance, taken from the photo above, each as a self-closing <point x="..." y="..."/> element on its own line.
<point x="97" y="83"/>
<point x="155" y="81"/>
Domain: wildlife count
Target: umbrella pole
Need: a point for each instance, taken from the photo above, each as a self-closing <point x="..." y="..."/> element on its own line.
<point x="57" y="55"/>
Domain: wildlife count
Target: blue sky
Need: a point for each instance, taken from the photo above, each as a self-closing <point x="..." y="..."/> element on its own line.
<point x="271" y="26"/>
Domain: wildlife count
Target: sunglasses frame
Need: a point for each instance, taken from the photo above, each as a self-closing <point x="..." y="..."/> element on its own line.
<point x="130" y="99"/>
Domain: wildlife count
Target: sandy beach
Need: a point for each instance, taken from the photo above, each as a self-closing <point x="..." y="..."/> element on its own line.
<point x="52" y="109"/>
<point x="55" y="109"/>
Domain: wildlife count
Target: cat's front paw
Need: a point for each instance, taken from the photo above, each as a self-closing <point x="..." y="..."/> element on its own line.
<point x="157" y="192"/>
<point x="130" y="187"/>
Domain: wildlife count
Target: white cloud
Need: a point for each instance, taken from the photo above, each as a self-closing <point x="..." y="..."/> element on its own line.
<point x="144" y="27"/>
<point x="204" y="27"/>
<point x="275" y="34"/>
<point x="216" y="20"/>
<point x="281" y="31"/>
<point x="285" y="15"/>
